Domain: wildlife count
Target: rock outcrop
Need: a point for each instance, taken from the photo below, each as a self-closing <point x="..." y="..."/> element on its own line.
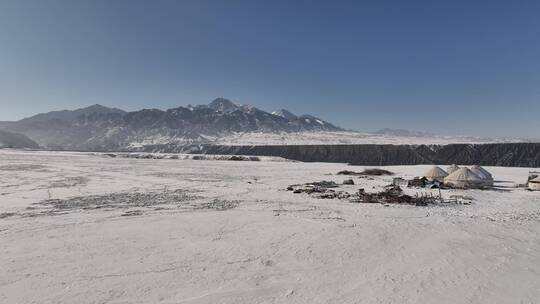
<point x="500" y="154"/>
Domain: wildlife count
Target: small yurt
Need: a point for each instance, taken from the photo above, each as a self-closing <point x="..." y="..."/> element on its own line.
<point x="483" y="174"/>
<point x="534" y="184"/>
<point x="464" y="178"/>
<point x="452" y="169"/>
<point x="435" y="173"/>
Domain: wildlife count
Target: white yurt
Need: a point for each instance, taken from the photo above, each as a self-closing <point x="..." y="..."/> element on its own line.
<point x="534" y="184"/>
<point x="435" y="173"/>
<point x="452" y="169"/>
<point x="464" y="178"/>
<point x="483" y="174"/>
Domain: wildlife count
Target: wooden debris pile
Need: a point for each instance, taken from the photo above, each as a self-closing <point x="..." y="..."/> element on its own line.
<point x="322" y="189"/>
<point x="392" y="194"/>
<point x="417" y="182"/>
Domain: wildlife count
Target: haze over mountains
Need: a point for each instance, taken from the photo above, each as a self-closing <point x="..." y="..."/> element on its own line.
<point x="16" y="141"/>
<point x="221" y="122"/>
<point x="403" y="133"/>
<point x="102" y="128"/>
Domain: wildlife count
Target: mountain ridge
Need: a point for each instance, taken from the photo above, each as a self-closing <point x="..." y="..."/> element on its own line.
<point x="102" y="128"/>
<point x="67" y="115"/>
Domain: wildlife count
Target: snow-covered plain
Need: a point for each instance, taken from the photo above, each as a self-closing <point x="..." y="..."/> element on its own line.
<point x="211" y="231"/>
<point x="340" y="138"/>
<point x="318" y="138"/>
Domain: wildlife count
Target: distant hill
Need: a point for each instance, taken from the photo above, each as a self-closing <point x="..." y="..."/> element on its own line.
<point x="102" y="128"/>
<point x="16" y="141"/>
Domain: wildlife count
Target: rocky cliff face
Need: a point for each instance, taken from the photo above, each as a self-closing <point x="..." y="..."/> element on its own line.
<point x="504" y="154"/>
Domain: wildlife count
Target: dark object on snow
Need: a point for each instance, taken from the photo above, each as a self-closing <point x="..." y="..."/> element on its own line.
<point x="375" y="171"/>
<point x="434" y="185"/>
<point x="330" y="194"/>
<point x="391" y="195"/>
<point x="417" y="182"/>
<point x="314" y="187"/>
<point x="348" y="182"/>
<point x="132" y="213"/>
<point x="324" y="184"/>
<point x="244" y="158"/>
<point x="347" y="172"/>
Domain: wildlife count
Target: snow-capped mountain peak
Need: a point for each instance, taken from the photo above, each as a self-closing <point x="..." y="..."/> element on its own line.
<point x="101" y="128"/>
<point x="285" y="114"/>
<point x="224" y="105"/>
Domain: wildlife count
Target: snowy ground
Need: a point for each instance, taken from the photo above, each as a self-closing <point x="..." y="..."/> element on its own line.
<point x="322" y="138"/>
<point x="210" y="231"/>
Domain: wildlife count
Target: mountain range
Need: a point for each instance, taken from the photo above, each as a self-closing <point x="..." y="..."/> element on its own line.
<point x="100" y="128"/>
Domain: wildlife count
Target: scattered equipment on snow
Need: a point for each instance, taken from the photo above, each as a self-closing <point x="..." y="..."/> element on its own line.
<point x="534" y="184"/>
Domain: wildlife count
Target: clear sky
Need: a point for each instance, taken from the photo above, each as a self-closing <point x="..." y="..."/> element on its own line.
<point x="450" y="67"/>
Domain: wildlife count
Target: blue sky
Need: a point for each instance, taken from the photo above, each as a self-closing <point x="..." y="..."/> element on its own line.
<point x="450" y="67"/>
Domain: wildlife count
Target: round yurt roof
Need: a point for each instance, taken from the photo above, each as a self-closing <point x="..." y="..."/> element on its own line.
<point x="463" y="174"/>
<point x="483" y="173"/>
<point x="452" y="168"/>
<point x="435" y="171"/>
